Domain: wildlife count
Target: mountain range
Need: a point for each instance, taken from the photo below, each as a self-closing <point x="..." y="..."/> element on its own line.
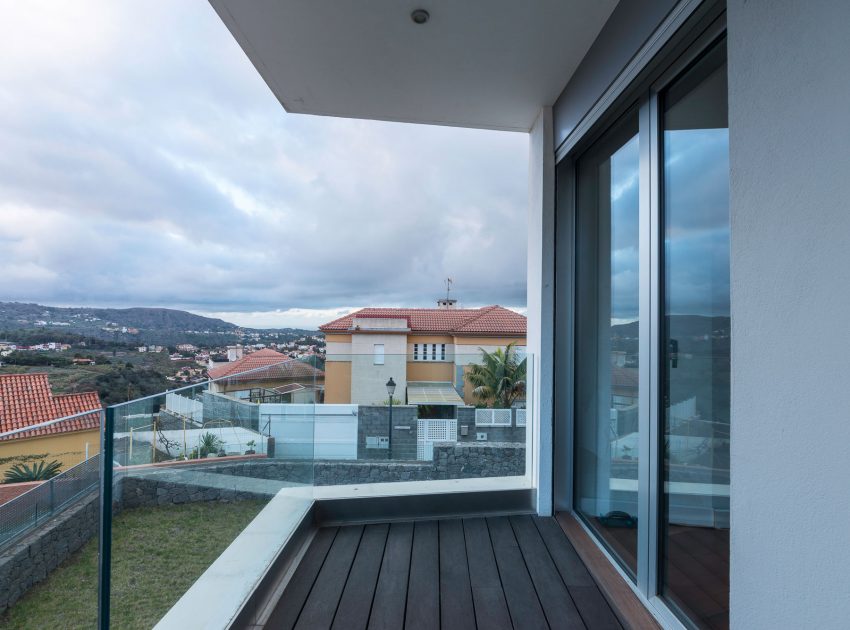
<point x="147" y="325"/>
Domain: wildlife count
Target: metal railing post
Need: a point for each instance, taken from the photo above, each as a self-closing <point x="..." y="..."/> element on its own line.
<point x="107" y="425"/>
<point x="52" y="498"/>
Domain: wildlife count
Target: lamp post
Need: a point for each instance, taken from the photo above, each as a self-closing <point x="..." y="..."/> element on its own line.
<point x="390" y="391"/>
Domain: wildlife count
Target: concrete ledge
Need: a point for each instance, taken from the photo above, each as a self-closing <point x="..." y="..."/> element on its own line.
<point x="217" y="597"/>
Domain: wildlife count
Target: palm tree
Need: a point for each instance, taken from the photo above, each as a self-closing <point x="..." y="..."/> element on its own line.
<point x="499" y="379"/>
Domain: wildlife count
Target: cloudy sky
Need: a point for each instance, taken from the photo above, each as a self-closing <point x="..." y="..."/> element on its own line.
<point x="143" y="162"/>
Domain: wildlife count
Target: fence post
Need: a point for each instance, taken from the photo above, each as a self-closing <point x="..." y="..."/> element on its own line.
<point x="52" y="502"/>
<point x="107" y="425"/>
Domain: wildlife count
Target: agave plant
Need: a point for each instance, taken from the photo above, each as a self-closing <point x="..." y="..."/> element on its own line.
<point x="210" y="443"/>
<point x="499" y="379"/>
<point x="39" y="471"/>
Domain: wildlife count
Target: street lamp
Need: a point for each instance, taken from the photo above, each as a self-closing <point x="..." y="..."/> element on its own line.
<point x="390" y="391"/>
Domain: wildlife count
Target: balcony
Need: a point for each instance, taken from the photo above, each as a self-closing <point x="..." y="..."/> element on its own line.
<point x="426" y="524"/>
<point x="419" y="451"/>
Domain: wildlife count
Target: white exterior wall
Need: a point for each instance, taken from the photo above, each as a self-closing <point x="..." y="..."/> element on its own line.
<point x="789" y="105"/>
<point x="369" y="381"/>
<point x="541" y="276"/>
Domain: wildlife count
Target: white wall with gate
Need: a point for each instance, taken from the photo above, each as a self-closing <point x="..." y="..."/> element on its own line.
<point x="311" y="431"/>
<point x="430" y="431"/>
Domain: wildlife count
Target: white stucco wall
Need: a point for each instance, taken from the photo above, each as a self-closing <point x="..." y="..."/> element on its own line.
<point x="541" y="276"/>
<point x="789" y="100"/>
<point x="368" y="381"/>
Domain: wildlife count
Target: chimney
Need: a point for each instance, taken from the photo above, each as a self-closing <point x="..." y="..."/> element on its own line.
<point x="447" y="304"/>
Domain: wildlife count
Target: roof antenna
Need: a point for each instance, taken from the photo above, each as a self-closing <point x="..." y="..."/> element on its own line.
<point x="448" y="303"/>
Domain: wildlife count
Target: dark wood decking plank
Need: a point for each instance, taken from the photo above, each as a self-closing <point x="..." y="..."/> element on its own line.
<point x="423" y="590"/>
<point x="591" y="604"/>
<point x="621" y="598"/>
<point x="520" y="595"/>
<point x="566" y="559"/>
<point x="491" y="610"/>
<point x="554" y="597"/>
<point x="390" y="599"/>
<point x="356" y="601"/>
<point x="321" y="604"/>
<point x="295" y="594"/>
<point x="456" y="609"/>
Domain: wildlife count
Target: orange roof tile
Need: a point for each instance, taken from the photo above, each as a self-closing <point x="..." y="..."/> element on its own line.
<point x="490" y="320"/>
<point x="26" y="399"/>
<point x="279" y="367"/>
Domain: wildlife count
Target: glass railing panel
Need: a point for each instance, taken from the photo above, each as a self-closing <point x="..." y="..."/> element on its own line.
<point x="49" y="493"/>
<point x="197" y="470"/>
<point x="192" y="477"/>
<point x="424" y="415"/>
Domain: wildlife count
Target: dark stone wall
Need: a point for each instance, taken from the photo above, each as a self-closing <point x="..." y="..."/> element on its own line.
<point x="466" y="417"/>
<point x="481" y="459"/>
<point x="31" y="559"/>
<point x="151" y="491"/>
<point x="451" y="461"/>
<point x="374" y="421"/>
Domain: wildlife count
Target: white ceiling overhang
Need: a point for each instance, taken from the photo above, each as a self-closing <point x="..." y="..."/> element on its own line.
<point x="476" y="63"/>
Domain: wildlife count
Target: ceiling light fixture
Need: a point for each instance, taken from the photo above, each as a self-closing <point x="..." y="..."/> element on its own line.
<point x="420" y="16"/>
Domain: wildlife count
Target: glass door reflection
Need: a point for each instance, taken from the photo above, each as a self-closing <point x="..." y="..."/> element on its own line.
<point x="606" y="386"/>
<point x="695" y="332"/>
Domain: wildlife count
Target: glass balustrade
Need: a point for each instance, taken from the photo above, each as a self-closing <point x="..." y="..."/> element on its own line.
<point x="213" y="478"/>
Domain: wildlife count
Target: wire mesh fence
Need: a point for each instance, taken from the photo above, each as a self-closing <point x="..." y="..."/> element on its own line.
<point x="30" y="509"/>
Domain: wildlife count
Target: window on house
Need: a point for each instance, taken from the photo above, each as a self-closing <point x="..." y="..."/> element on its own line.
<point x="379" y="354"/>
<point x="416" y="352"/>
<point x="443" y="352"/>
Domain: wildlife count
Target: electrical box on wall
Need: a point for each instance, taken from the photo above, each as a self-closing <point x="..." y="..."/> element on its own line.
<point x="481" y="436"/>
<point x="377" y="441"/>
<point x="464" y="430"/>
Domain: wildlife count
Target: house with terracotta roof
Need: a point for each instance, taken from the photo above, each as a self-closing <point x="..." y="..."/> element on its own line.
<point x="426" y="351"/>
<point x="26" y="400"/>
<point x="269" y="372"/>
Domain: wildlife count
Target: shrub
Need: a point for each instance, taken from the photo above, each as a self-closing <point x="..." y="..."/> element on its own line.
<point x="39" y="471"/>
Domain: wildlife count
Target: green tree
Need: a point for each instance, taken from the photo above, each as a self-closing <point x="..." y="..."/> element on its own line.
<point x="499" y="380"/>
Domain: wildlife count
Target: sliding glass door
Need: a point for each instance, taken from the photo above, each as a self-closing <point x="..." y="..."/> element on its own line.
<point x="651" y="335"/>
<point x="606" y="388"/>
<point x="695" y="342"/>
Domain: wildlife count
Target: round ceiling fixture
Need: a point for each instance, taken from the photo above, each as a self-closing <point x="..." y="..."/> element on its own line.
<point x="420" y="16"/>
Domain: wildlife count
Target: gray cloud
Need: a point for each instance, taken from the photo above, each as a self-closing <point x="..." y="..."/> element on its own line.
<point x="145" y="162"/>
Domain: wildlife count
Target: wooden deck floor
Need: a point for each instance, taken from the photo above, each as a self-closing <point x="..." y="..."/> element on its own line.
<point x="494" y="573"/>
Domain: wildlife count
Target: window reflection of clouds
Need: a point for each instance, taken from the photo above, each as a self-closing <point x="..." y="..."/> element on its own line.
<point x="697" y="206"/>
<point x="625" y="174"/>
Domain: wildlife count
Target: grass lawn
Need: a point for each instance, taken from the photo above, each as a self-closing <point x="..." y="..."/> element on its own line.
<point x="157" y="553"/>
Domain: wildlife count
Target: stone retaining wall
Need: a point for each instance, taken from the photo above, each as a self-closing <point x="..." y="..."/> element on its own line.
<point x="451" y="461"/>
<point x="473" y="460"/>
<point x="31" y="559"/>
<point x="152" y="490"/>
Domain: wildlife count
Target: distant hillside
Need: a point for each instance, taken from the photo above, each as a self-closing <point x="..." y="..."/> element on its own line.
<point x="680" y="325"/>
<point x="16" y="313"/>
<point x="130" y="325"/>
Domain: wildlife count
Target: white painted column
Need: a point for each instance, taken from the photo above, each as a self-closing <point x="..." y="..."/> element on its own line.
<point x="789" y="140"/>
<point x="541" y="276"/>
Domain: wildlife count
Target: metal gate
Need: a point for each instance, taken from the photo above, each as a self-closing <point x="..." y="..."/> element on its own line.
<point x="430" y="431"/>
